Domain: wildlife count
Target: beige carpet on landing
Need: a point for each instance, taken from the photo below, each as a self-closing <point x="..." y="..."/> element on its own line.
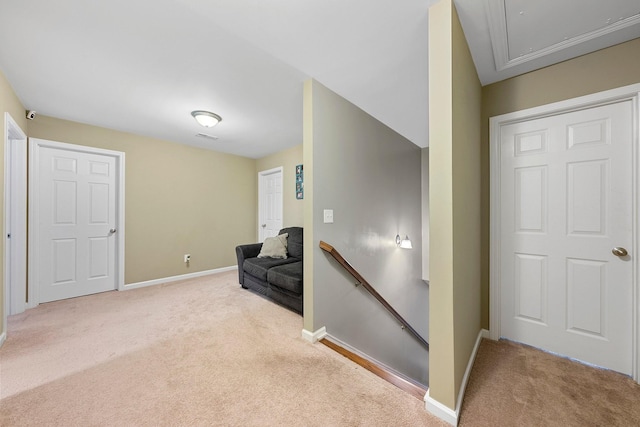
<point x="516" y="385"/>
<point x="202" y="352"/>
<point x="205" y="352"/>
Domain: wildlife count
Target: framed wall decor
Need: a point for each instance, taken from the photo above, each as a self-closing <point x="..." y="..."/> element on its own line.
<point x="299" y="183"/>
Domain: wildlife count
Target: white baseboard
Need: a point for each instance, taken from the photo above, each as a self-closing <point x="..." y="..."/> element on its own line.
<point x="3" y="337"/>
<point x="441" y="411"/>
<point x="444" y="412"/>
<point x="177" y="278"/>
<point x="465" y="380"/>
<point x="314" y="337"/>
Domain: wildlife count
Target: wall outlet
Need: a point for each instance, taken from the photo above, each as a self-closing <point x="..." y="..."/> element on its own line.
<point x="187" y="258"/>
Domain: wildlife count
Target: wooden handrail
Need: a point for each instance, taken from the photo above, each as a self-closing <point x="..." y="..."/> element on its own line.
<point x="361" y="281"/>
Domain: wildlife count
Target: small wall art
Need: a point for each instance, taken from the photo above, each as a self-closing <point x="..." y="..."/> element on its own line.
<point x="299" y="183"/>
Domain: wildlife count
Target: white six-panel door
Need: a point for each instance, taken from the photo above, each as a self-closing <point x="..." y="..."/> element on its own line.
<point x="566" y="203"/>
<point x="77" y="195"/>
<point x="271" y="203"/>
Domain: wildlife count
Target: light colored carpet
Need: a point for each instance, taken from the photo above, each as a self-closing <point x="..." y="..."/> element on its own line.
<point x="199" y="352"/>
<point x="516" y="385"/>
<point x="205" y="352"/>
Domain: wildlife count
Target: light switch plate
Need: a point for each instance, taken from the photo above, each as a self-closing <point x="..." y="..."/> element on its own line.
<point x="328" y="216"/>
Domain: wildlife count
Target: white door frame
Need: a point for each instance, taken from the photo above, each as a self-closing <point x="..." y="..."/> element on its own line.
<point x="34" y="210"/>
<point x="631" y="93"/>
<point x="261" y="177"/>
<point x="15" y="217"/>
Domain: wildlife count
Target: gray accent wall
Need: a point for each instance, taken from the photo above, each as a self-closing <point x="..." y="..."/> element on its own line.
<point x="370" y="176"/>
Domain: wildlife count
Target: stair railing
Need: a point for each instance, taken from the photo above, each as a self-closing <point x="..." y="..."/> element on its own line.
<point x="361" y="281"/>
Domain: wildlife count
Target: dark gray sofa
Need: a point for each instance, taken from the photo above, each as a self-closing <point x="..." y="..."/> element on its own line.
<point x="276" y="278"/>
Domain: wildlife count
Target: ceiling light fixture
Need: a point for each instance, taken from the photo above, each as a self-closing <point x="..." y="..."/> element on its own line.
<point x="206" y="118"/>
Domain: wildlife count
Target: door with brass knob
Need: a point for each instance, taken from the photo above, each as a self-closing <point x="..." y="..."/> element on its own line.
<point x="619" y="252"/>
<point x="566" y="209"/>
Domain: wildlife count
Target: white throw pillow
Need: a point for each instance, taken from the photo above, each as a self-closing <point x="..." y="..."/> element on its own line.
<point x="274" y="247"/>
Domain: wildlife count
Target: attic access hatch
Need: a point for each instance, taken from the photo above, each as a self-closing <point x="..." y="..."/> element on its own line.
<point x="522" y="31"/>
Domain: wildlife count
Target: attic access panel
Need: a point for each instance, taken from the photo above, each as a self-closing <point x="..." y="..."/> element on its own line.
<point x="536" y="25"/>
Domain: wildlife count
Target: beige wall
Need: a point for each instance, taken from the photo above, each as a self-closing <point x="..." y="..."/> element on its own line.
<point x="602" y="70"/>
<point x="309" y="314"/>
<point x="454" y="199"/>
<point x="425" y="213"/>
<point x="10" y="103"/>
<point x="293" y="214"/>
<point x="467" y="249"/>
<point x="441" y="361"/>
<point x="179" y="199"/>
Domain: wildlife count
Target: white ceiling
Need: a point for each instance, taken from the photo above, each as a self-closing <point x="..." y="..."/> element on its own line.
<point x="142" y="66"/>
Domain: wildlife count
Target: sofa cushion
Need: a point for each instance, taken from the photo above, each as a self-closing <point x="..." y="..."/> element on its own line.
<point x="274" y="247"/>
<point x="258" y="267"/>
<point x="287" y="277"/>
<point x="294" y="241"/>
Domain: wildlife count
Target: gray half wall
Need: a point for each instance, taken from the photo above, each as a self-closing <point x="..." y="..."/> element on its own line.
<point x="371" y="177"/>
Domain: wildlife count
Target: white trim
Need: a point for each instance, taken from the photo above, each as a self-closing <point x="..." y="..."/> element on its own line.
<point x="33" y="247"/>
<point x="494" y="230"/>
<point x="497" y="21"/>
<point x="3" y="337"/>
<point x="261" y="176"/>
<point x="14" y="299"/>
<point x="120" y="164"/>
<point x="16" y="210"/>
<point x="178" y="278"/>
<point x="635" y="327"/>
<point x="465" y="380"/>
<point x="314" y="337"/>
<point x="441" y="411"/>
<point x="444" y="412"/>
<point x="631" y="92"/>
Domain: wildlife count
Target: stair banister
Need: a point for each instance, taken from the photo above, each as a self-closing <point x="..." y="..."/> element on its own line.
<point x="361" y="281"/>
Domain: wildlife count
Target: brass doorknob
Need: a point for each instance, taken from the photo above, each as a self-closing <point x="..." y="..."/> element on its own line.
<point x="620" y="252"/>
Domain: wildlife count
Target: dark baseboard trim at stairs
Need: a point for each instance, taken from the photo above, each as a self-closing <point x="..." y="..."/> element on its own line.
<point x="407" y="386"/>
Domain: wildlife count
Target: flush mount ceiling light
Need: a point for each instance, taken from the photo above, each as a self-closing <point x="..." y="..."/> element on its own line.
<point x="206" y="118"/>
